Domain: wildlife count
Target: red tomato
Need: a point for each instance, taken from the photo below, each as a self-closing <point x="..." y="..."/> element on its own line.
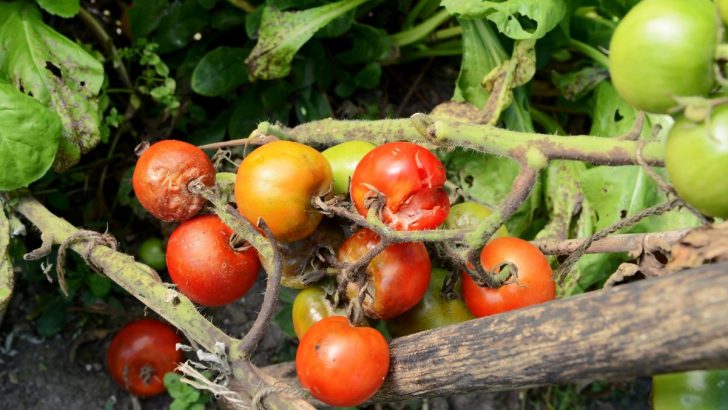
<point x="397" y="278"/>
<point x="204" y="267"/>
<point x="161" y="177"/>
<point x="410" y="177"/>
<point x="141" y="353"/>
<point x="340" y="364"/>
<point x="533" y="284"/>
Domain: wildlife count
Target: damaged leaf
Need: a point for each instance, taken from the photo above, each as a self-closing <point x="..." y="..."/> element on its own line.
<point x="54" y="70"/>
<point x="282" y="34"/>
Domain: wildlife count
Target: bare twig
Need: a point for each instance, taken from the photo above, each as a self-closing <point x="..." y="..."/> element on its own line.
<point x="610" y="244"/>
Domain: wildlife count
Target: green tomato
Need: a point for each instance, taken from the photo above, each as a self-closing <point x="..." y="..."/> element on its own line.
<point x="723" y="8"/>
<point x="151" y="252"/>
<point x="696" y="159"/>
<point x="468" y="215"/>
<point x="343" y="159"/>
<point x="696" y="390"/>
<point x="432" y="311"/>
<point x="664" y="49"/>
<point x="309" y="307"/>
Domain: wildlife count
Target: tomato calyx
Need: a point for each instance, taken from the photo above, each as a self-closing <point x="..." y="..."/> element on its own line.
<point x="502" y="274"/>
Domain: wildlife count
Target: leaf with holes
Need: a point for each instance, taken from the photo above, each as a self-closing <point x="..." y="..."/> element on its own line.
<point x="55" y="71"/>
<point x="282" y="34"/>
<point x="62" y="8"/>
<point x="517" y="19"/>
<point x="29" y="134"/>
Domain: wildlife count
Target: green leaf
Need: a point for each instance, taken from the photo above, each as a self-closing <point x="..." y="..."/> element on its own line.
<point x="182" y="393"/>
<point x="517" y="19"/>
<point x="29" y="135"/>
<point x="55" y="71"/>
<point x="368" y="43"/>
<point x="282" y="34"/>
<point x="178" y="25"/>
<point x="368" y="77"/>
<point x="220" y="71"/>
<point x="145" y="15"/>
<point x="62" y="8"/>
<point x="488" y="179"/>
<point x="7" y="276"/>
<point x="284" y="320"/>
<point x="53" y="318"/>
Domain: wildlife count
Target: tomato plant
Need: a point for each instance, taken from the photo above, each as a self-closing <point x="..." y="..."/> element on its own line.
<point x="397" y="278"/>
<point x="531" y="280"/>
<point x="433" y="311"/>
<point x="311" y="306"/>
<point x="204" y="266"/>
<point x="695" y="390"/>
<point x="343" y="159"/>
<point x="468" y="214"/>
<point x="664" y="49"/>
<point x="151" y="252"/>
<point x="303" y="261"/>
<point x="410" y="177"/>
<point x="162" y="174"/>
<point x="340" y="364"/>
<point x="696" y="159"/>
<point x="141" y="353"/>
<point x="277" y="182"/>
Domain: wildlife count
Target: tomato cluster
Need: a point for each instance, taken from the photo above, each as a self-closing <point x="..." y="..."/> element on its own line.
<point x="287" y="186"/>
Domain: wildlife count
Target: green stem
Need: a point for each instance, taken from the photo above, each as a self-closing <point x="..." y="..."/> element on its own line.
<point x="590" y="52"/>
<point x="481" y="138"/>
<point x="421" y="30"/>
<point x="447" y="33"/>
<point x="243" y="5"/>
<point x="546" y="121"/>
<point x="415" y="13"/>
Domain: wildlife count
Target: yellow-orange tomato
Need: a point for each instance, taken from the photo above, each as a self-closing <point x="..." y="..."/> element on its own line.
<point x="277" y="182"/>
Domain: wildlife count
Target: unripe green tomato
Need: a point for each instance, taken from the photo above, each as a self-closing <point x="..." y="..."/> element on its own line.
<point x="343" y="159"/>
<point x="723" y="8"/>
<point x="696" y="390"/>
<point x="151" y="252"/>
<point x="664" y="49"/>
<point x="432" y="311"/>
<point x="696" y="159"/>
<point x="467" y="215"/>
<point x="309" y="307"/>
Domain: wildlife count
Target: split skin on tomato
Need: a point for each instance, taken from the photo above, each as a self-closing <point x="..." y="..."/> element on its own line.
<point x="343" y="159"/>
<point x="277" y="183"/>
<point x="410" y="177"/>
<point x="140" y="354"/>
<point x="162" y="174"/>
<point x="432" y="311"/>
<point x="205" y="267"/>
<point x="531" y="283"/>
<point x="696" y="158"/>
<point x="310" y="306"/>
<point x="664" y="49"/>
<point x="397" y="278"/>
<point x="340" y="364"/>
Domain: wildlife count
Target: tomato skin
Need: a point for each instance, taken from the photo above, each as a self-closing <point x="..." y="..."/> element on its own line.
<point x="151" y="252"/>
<point x="467" y="215"/>
<point x="277" y="182"/>
<point x="144" y="344"/>
<point x="695" y="390"/>
<point x="662" y="49"/>
<point x="340" y="364"/>
<point x="535" y="283"/>
<point x="204" y="267"/>
<point x="309" y="307"/>
<point x="399" y="276"/>
<point x="162" y="174"/>
<point x="343" y="159"/>
<point x="411" y="178"/>
<point x="696" y="158"/>
<point x="432" y="311"/>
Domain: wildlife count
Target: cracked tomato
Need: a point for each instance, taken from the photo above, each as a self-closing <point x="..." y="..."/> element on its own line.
<point x="411" y="180"/>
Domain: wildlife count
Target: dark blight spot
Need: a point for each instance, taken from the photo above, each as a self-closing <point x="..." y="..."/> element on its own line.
<point x="54" y="69"/>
